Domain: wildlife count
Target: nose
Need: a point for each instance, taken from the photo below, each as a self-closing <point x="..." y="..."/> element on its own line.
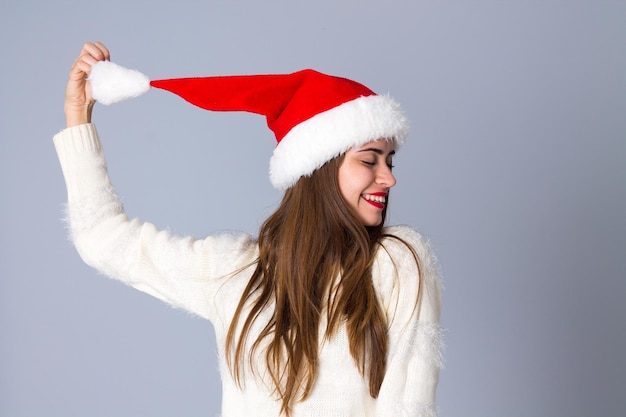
<point x="385" y="177"/>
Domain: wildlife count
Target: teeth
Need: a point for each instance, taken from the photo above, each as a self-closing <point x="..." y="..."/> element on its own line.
<point x="376" y="198"/>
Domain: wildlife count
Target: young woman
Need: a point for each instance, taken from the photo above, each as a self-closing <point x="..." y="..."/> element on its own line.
<point x="327" y="312"/>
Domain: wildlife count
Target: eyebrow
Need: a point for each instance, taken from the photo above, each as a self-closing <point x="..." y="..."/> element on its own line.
<point x="377" y="151"/>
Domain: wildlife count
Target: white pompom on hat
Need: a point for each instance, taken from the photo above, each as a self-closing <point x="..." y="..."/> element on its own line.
<point x="314" y="117"/>
<point x="111" y="83"/>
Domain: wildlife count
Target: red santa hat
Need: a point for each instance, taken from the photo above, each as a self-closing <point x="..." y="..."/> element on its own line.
<point x="314" y="117"/>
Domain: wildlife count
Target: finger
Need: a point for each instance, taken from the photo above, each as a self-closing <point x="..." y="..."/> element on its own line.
<point x="88" y="60"/>
<point x="95" y="51"/>
<point x="82" y="66"/>
<point x="104" y="50"/>
<point x="81" y="69"/>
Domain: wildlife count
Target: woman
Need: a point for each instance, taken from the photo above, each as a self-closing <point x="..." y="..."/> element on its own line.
<point x="328" y="312"/>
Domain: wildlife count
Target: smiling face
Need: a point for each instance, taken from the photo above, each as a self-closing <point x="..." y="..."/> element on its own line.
<point x="365" y="178"/>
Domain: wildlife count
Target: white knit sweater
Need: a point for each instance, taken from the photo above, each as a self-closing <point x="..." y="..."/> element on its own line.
<point x="196" y="275"/>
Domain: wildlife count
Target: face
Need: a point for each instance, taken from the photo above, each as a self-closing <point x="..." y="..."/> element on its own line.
<point x="365" y="179"/>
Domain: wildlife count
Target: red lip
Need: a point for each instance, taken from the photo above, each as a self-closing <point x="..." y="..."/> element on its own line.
<point x="375" y="204"/>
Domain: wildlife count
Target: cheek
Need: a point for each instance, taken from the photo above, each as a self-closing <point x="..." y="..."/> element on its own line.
<point x="350" y="184"/>
<point x="344" y="189"/>
<point x="343" y="178"/>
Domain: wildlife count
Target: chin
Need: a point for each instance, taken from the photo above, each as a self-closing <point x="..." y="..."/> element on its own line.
<point x="369" y="222"/>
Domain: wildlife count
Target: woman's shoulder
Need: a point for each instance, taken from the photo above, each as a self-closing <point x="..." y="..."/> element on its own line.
<point x="226" y="245"/>
<point x="405" y="267"/>
<point x="403" y="231"/>
<point x="229" y="238"/>
<point x="399" y="240"/>
<point x="405" y="252"/>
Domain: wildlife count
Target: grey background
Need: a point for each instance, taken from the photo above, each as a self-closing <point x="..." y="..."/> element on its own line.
<point x="515" y="170"/>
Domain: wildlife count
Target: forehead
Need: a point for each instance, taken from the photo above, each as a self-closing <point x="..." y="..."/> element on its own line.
<point x="385" y="145"/>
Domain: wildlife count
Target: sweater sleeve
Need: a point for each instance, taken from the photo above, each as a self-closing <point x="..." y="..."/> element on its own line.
<point x="182" y="271"/>
<point x="411" y="297"/>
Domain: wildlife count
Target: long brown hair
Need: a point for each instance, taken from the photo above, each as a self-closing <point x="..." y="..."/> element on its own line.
<point x="315" y="257"/>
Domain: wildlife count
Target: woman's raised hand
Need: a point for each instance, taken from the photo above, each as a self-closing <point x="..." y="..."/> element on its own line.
<point x="78" y="100"/>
